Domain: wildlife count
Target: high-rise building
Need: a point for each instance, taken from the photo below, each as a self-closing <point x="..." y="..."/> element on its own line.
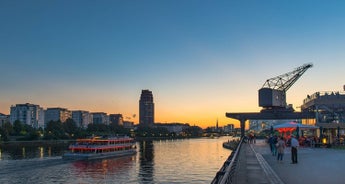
<point x="57" y="114"/>
<point x="100" y="118"/>
<point x="82" y="118"/>
<point x="116" y="119"/>
<point x="146" y="109"/>
<point x="29" y="114"/>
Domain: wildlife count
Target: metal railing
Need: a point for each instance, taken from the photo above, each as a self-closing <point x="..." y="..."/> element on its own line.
<point x="226" y="173"/>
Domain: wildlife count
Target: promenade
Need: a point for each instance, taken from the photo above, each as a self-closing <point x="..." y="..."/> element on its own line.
<point x="315" y="165"/>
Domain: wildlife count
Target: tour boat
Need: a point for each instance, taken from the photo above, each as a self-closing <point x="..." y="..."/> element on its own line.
<point x="99" y="148"/>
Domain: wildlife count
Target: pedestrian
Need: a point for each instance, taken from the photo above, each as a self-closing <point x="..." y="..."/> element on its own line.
<point x="274" y="145"/>
<point x="280" y="148"/>
<point x="271" y="143"/>
<point x="294" y="146"/>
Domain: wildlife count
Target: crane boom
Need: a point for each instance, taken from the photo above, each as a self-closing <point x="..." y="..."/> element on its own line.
<point x="285" y="81"/>
<point x="272" y="95"/>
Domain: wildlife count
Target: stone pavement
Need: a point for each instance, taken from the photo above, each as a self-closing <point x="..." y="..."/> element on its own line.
<point x="315" y="165"/>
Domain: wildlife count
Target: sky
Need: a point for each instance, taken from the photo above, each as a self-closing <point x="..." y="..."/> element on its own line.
<point x="200" y="58"/>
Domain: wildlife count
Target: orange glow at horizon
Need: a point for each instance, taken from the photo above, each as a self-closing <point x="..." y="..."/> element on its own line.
<point x="178" y="108"/>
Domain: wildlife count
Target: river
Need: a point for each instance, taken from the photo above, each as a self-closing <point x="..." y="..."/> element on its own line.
<point x="164" y="161"/>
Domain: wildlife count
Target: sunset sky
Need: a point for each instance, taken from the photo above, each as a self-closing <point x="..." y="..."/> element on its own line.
<point x="200" y="58"/>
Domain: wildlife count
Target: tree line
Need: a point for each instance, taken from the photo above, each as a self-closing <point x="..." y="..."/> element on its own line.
<point x="57" y="130"/>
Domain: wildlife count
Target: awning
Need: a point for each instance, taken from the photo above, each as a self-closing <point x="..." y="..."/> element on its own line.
<point x="291" y="126"/>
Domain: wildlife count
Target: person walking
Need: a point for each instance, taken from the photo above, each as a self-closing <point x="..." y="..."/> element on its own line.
<point x="294" y="146"/>
<point x="272" y="142"/>
<point x="274" y="146"/>
<point x="280" y="149"/>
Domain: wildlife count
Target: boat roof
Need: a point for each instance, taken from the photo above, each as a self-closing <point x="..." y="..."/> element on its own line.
<point x="102" y="139"/>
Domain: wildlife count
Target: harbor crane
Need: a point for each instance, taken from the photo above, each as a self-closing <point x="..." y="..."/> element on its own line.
<point x="272" y="99"/>
<point x="272" y="95"/>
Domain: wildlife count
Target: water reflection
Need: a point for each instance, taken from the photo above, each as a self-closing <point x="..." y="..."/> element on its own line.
<point x="23" y="152"/>
<point x="100" y="168"/>
<point x="49" y="151"/>
<point x="169" y="161"/>
<point x="41" y="151"/>
<point x="146" y="161"/>
<point x="28" y="151"/>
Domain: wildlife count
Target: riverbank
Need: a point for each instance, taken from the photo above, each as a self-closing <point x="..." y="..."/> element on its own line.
<point x="59" y="142"/>
<point x="35" y="143"/>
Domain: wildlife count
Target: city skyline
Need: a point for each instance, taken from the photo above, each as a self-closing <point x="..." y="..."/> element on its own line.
<point x="201" y="59"/>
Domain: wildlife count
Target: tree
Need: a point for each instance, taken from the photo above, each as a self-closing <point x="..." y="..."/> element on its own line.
<point x="194" y="131"/>
<point x="31" y="135"/>
<point x="8" y="128"/>
<point x="17" y="127"/>
<point x="3" y="134"/>
<point x="151" y="131"/>
<point x="118" y="129"/>
<point x="70" y="127"/>
<point x="27" y="129"/>
<point x="54" y="130"/>
<point x="99" y="129"/>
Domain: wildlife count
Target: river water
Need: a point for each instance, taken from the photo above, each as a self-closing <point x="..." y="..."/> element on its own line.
<point x="164" y="161"/>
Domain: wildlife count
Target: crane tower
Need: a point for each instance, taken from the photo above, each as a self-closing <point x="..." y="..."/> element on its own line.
<point x="272" y="95"/>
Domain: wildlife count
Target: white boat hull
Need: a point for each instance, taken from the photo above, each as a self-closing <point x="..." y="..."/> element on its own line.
<point x="93" y="156"/>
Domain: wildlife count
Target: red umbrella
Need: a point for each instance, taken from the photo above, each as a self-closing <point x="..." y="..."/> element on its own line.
<point x="292" y="126"/>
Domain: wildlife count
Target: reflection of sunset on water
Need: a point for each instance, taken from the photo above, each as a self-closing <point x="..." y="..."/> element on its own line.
<point x="28" y="150"/>
<point x="98" y="168"/>
<point x="23" y="152"/>
<point x="157" y="161"/>
<point x="49" y="151"/>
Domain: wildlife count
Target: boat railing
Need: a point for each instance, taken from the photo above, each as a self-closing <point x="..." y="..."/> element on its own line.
<point x="116" y="137"/>
<point x="78" y="146"/>
<point x="226" y="173"/>
<point x="95" y="146"/>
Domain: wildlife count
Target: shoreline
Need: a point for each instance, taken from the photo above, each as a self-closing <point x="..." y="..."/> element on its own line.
<point x="35" y="143"/>
<point x="68" y="141"/>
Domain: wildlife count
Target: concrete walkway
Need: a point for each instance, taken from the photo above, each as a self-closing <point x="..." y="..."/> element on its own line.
<point x="315" y="165"/>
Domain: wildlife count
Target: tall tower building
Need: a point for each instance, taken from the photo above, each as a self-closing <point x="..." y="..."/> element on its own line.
<point x="146" y="109"/>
